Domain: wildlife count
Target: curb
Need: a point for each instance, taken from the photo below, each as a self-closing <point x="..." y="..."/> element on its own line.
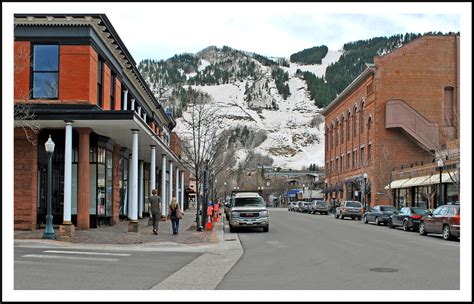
<point x="216" y="262"/>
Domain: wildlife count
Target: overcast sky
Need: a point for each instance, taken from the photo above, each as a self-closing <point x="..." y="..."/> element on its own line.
<point x="161" y="30"/>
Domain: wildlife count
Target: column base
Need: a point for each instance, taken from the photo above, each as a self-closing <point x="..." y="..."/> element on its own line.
<point x="67" y="229"/>
<point x="133" y="226"/>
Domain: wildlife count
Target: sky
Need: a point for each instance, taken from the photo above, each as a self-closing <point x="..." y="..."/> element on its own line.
<point x="160" y="30"/>
<point x="270" y="29"/>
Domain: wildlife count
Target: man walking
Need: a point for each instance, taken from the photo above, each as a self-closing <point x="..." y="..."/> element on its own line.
<point x="155" y="209"/>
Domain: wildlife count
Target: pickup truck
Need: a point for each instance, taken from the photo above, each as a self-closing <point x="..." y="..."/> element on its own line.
<point x="248" y="210"/>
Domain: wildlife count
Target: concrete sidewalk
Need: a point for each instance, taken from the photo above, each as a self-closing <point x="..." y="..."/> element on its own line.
<point x="119" y="235"/>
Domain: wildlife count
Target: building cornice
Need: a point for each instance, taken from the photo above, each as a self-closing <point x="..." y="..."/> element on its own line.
<point x="370" y="70"/>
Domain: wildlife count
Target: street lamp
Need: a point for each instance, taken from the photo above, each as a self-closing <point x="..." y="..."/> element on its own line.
<point x="363" y="194"/>
<point x="49" y="231"/>
<point x="440" y="167"/>
<point x="225" y="191"/>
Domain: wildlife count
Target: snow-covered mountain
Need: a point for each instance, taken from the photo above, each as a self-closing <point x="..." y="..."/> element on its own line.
<point x="245" y="88"/>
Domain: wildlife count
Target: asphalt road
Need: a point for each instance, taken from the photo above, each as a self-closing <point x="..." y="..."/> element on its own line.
<point x="319" y="252"/>
<point x="84" y="269"/>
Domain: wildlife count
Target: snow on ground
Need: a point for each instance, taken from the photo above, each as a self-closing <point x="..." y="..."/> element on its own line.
<point x="291" y="140"/>
<point x="317" y="69"/>
<point x="203" y="65"/>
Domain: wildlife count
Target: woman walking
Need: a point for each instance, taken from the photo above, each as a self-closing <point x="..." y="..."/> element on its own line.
<point x="175" y="214"/>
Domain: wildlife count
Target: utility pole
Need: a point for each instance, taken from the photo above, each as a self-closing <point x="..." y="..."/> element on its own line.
<point x="205" y="194"/>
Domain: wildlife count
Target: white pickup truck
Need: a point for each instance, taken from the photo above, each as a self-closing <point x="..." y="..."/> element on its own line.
<point x="248" y="209"/>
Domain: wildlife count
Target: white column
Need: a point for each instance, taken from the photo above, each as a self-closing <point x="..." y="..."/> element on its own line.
<point x="68" y="174"/>
<point x="140" y="193"/>
<point x="182" y="190"/>
<point x="129" y="187"/>
<point x="163" y="186"/>
<point x="134" y="176"/>
<point x="177" y="186"/>
<point x="133" y="104"/>
<point x="125" y="100"/>
<point x="152" y="169"/>
<point x="171" y="182"/>
<point x="140" y="111"/>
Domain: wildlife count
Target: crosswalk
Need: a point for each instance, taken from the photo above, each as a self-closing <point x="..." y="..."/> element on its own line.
<point x="77" y="255"/>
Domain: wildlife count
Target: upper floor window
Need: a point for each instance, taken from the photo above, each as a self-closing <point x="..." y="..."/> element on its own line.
<point x="361" y="118"/>
<point x="354" y="121"/>
<point x="348" y="126"/>
<point x="112" y="92"/>
<point x="45" y="71"/>
<point x="342" y="130"/>
<point x="336" y="133"/>
<point x="100" y="74"/>
<point x="369" y="147"/>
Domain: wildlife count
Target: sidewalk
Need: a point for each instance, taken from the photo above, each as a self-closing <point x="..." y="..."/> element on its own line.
<point x="119" y="235"/>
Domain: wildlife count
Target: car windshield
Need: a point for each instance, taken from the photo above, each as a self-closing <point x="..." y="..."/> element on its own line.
<point x="321" y="203"/>
<point x="419" y="211"/>
<point x="353" y="204"/>
<point x="388" y="209"/>
<point x="248" y="201"/>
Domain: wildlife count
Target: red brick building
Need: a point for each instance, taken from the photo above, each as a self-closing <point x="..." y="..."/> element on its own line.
<point x="399" y="112"/>
<point x="77" y="78"/>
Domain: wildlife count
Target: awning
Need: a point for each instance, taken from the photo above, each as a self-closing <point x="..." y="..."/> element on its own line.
<point x="445" y="178"/>
<point x="425" y="180"/>
<point x="397" y="184"/>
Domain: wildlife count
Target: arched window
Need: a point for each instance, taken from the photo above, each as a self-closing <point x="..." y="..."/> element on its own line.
<point x="342" y="129"/>
<point x="354" y="122"/>
<point x="369" y="126"/>
<point x="361" y="117"/>
<point x="326" y="137"/>
<point x="336" y="131"/>
<point x="348" y="126"/>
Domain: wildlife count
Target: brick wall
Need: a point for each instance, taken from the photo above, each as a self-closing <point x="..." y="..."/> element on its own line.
<point x="25" y="181"/>
<point x="416" y="73"/>
<point x="106" y="87"/>
<point x="175" y="144"/>
<point x="21" y="70"/>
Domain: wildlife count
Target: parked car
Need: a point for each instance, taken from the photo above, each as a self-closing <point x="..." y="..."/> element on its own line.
<point x="352" y="209"/>
<point x="305" y="206"/>
<point x="248" y="209"/>
<point x="408" y="218"/>
<point x="299" y="206"/>
<point x="319" y="206"/>
<point x="445" y="219"/>
<point x="292" y="206"/>
<point x="380" y="214"/>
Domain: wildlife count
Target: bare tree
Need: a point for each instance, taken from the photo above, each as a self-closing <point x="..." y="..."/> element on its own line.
<point x="23" y="114"/>
<point x="202" y="143"/>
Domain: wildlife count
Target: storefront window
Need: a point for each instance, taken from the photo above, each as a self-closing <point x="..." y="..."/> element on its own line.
<point x="452" y="193"/>
<point x="421" y="197"/>
<point x="109" y="184"/>
<point x="123" y="187"/>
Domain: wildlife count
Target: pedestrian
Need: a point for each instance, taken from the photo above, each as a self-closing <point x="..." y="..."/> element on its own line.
<point x="175" y="214"/>
<point x="155" y="209"/>
<point x="216" y="209"/>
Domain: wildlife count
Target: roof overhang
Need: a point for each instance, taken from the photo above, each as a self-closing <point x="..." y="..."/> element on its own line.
<point x="117" y="125"/>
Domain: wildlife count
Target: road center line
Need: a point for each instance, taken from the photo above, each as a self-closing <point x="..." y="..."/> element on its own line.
<point x="44" y="256"/>
<point x="88" y="253"/>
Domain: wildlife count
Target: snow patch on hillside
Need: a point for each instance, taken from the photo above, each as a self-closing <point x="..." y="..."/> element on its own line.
<point x="317" y="69"/>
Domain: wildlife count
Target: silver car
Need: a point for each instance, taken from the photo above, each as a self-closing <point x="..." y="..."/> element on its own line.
<point x="319" y="206"/>
<point x="248" y="210"/>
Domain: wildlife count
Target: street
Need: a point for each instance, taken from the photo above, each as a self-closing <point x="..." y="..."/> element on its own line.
<point x="319" y="252"/>
<point x="83" y="269"/>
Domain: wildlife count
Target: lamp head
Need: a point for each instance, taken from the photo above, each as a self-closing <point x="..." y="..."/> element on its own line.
<point x="440" y="162"/>
<point x="49" y="145"/>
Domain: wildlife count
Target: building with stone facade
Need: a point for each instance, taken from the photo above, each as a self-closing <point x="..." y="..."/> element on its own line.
<point x="113" y="140"/>
<point x="384" y="132"/>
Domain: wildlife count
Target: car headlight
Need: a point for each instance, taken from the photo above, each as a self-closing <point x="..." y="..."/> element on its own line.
<point x="235" y="214"/>
<point x="263" y="213"/>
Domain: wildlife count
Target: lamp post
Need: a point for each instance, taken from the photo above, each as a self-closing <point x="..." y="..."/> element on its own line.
<point x="49" y="231"/>
<point x="225" y="191"/>
<point x="440" y="194"/>
<point x="363" y="194"/>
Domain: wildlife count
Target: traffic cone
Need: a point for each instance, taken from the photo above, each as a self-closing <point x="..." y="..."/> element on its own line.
<point x="209" y="224"/>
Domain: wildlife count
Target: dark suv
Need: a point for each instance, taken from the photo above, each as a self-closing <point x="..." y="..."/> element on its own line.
<point x="444" y="219"/>
<point x="352" y="209"/>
